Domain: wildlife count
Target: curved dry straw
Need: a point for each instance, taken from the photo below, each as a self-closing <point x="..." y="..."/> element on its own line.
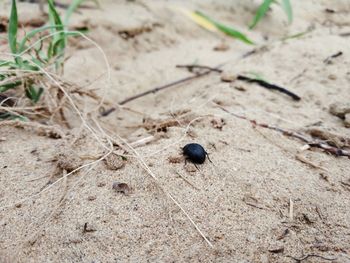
<point x="155" y="178"/>
<point x="84" y="122"/>
<point x="110" y="150"/>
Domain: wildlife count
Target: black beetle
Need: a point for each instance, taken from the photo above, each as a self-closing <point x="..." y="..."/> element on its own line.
<point x="195" y="153"/>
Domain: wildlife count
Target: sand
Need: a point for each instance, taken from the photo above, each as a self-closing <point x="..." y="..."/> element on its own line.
<point x="256" y="201"/>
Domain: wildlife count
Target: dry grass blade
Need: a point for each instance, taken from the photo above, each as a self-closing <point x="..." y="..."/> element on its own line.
<point x="232" y="32"/>
<point x="155" y="178"/>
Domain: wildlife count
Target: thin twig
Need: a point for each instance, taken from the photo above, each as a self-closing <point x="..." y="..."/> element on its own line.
<point x="329" y="59"/>
<point x="267" y="85"/>
<point x="193" y="66"/>
<point x="155" y="178"/>
<point x="187" y="181"/>
<point x="174" y="83"/>
<point x="322" y="145"/>
<point x="303" y="159"/>
<point x="154" y="90"/>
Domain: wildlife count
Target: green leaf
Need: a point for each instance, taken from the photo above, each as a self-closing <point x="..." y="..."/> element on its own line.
<point x="287" y="7"/>
<point x="55" y="20"/>
<point x="31" y="34"/>
<point x="5" y="63"/>
<point x="58" y="44"/>
<point x="37" y="62"/>
<point x="13" y="26"/>
<point x="256" y="75"/>
<point x="263" y="8"/>
<point x="227" y="30"/>
<point x="11" y="116"/>
<point x="29" y="66"/>
<point x="33" y="94"/>
<point x="8" y="86"/>
<point x="297" y="35"/>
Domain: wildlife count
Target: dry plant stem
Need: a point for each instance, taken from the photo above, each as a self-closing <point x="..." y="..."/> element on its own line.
<point x="270" y="86"/>
<point x="330" y="149"/>
<point x="62" y="199"/>
<point x="303" y="159"/>
<point x="177" y="82"/>
<point x="187" y="181"/>
<point x="108" y="68"/>
<point x="73" y="104"/>
<point x="34" y="236"/>
<point x="309" y="256"/>
<point x="143" y="141"/>
<point x="154" y="90"/>
<point x="91" y="164"/>
<point x="192" y="67"/>
<point x="155" y="178"/>
<point x="298" y="156"/>
<point x="13" y="79"/>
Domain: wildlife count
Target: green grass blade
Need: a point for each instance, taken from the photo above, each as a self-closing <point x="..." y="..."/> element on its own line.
<point x="72" y="7"/>
<point x="297" y="35"/>
<point x="287" y="7"/>
<point x="8" y="86"/>
<point x="13" y="26"/>
<point x="55" y="20"/>
<point x="11" y="116"/>
<point x="263" y="8"/>
<point x="33" y="94"/>
<point x="31" y="34"/>
<point x="255" y="75"/>
<point x="54" y="16"/>
<point x="5" y="63"/>
<point x="227" y="30"/>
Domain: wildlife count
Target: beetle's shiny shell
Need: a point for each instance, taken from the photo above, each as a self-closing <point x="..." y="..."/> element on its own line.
<point x="195" y="153"/>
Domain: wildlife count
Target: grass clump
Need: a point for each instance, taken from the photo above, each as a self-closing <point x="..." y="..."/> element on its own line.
<point x="22" y="79"/>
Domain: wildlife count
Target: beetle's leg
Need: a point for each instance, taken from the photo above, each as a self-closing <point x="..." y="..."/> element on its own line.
<point x="208" y="157"/>
<point x="196" y="167"/>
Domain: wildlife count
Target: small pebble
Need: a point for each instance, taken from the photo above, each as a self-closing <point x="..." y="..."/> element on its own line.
<point x="218" y="123"/>
<point x="221" y="47"/>
<point x="332" y="77"/>
<point x="91" y="198"/>
<point x="68" y="160"/>
<point x="114" y="162"/>
<point x="339" y="109"/>
<point x="240" y="88"/>
<point x="276" y="249"/>
<point x="227" y="77"/>
<point x="101" y="184"/>
<point x="121" y="188"/>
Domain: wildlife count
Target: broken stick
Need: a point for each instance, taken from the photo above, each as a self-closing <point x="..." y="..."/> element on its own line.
<point x="267" y="85"/>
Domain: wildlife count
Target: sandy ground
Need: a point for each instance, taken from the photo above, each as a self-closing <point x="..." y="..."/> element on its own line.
<point x="256" y="202"/>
